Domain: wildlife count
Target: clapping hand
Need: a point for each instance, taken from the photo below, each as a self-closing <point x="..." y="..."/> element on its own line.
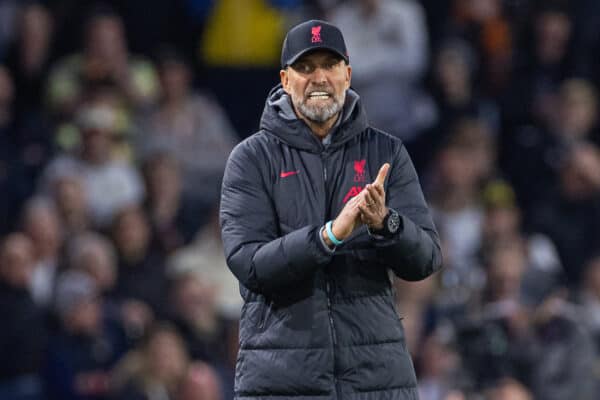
<point x="372" y="201"/>
<point x="366" y="208"/>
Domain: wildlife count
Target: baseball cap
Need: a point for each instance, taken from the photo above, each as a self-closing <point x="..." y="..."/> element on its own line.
<point x="312" y="35"/>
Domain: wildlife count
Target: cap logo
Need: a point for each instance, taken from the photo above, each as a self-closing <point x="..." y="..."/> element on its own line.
<point x="316" y="34"/>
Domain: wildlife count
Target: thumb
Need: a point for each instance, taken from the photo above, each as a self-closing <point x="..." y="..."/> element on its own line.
<point x="382" y="174"/>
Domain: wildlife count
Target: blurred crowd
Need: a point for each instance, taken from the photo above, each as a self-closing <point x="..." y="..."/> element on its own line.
<point x="116" y="120"/>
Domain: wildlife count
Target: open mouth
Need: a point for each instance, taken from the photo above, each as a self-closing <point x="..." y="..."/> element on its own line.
<point x="319" y="95"/>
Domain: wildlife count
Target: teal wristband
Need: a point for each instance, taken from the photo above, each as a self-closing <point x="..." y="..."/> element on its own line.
<point x="330" y="234"/>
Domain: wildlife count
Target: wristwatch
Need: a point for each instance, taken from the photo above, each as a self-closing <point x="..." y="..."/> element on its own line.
<point x="391" y="224"/>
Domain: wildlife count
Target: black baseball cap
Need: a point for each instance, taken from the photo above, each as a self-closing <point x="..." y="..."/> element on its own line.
<point x="312" y="35"/>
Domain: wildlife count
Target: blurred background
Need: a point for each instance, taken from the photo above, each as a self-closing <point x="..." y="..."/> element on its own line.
<point x="116" y="119"/>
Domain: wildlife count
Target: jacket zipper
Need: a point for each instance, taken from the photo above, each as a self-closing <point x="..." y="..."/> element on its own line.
<point x="328" y="284"/>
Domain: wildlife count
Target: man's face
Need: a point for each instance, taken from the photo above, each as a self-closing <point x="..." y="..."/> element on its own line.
<point x="317" y="85"/>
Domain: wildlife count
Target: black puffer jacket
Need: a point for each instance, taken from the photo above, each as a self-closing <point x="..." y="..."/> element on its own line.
<point x="317" y="325"/>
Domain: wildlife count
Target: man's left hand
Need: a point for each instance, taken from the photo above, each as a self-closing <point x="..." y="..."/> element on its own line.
<point x="372" y="205"/>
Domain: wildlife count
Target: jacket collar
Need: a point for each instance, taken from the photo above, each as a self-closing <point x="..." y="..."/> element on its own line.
<point x="279" y="119"/>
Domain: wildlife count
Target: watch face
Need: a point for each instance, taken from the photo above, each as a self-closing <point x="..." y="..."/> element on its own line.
<point x="393" y="222"/>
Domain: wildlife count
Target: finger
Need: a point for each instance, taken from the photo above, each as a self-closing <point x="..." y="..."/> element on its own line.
<point x="369" y="199"/>
<point x="366" y="213"/>
<point x="382" y="174"/>
<point x="376" y="192"/>
<point x="379" y="190"/>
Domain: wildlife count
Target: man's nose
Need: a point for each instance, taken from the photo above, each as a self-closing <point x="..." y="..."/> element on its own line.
<point x="319" y="75"/>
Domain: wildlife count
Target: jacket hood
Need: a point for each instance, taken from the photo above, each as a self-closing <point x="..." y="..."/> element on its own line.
<point x="279" y="119"/>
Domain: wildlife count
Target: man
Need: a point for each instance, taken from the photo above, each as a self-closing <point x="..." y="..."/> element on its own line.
<point x="311" y="240"/>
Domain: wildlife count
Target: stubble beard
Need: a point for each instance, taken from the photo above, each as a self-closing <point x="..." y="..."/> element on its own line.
<point x="319" y="114"/>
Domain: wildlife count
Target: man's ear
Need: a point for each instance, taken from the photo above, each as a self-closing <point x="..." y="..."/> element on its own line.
<point x="283" y="76"/>
<point x="348" y="76"/>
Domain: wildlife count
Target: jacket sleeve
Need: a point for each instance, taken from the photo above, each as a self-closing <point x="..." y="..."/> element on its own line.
<point x="414" y="252"/>
<point x="261" y="259"/>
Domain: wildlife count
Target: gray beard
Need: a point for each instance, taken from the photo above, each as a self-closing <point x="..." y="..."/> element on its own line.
<point x="319" y="114"/>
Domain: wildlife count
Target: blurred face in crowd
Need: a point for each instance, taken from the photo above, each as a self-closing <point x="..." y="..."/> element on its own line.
<point x="85" y="317"/>
<point x="505" y="270"/>
<point x="95" y="255"/>
<point x="592" y="277"/>
<point x="482" y="10"/>
<point x="509" y="390"/>
<point x="476" y="138"/>
<point x="16" y="260"/>
<point x="457" y="169"/>
<point x="578" y="111"/>
<point x="580" y="173"/>
<point x="7" y="89"/>
<point x="317" y="85"/>
<point x="437" y="359"/>
<point x="96" y="145"/>
<point x="553" y="32"/>
<point x="42" y="225"/>
<point x="175" y="79"/>
<point x="97" y="121"/>
<point x="163" y="178"/>
<point x="501" y="222"/>
<point x="69" y="196"/>
<point x="35" y="34"/>
<point x="132" y="232"/>
<point x="166" y="356"/>
<point x="200" y="383"/>
<point x="194" y="298"/>
<point x="452" y="73"/>
<point x="106" y="38"/>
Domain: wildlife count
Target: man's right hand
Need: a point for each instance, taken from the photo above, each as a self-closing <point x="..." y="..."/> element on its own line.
<point x="345" y="223"/>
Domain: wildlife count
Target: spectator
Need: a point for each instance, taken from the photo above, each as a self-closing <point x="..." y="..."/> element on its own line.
<point x="200" y="383"/>
<point x="95" y="255"/>
<point x="110" y="184"/>
<point x="192" y="127"/>
<point x="105" y="59"/>
<point x="495" y="332"/>
<point x="14" y="181"/>
<point x="535" y="156"/>
<point x="8" y="11"/>
<point x="565" y="353"/>
<point x="207" y="333"/>
<point x="85" y="346"/>
<point x="156" y="369"/>
<point x="387" y="45"/>
<point x="457" y="96"/>
<point x="42" y="225"/>
<point x="590" y="298"/>
<point x="175" y="214"/>
<point x="141" y="267"/>
<point x="68" y="193"/>
<point x="205" y="258"/>
<point x="438" y="366"/>
<point x="29" y="58"/>
<point x="502" y="225"/>
<point x="509" y="389"/>
<point x="484" y="24"/>
<point x="23" y="335"/>
<point x="540" y="66"/>
<point x="466" y="160"/>
<point x="570" y="216"/>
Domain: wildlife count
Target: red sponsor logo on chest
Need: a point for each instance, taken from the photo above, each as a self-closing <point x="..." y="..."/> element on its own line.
<point x="354" y="190"/>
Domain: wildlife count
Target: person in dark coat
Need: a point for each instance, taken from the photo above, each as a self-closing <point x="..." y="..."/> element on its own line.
<point x="316" y="209"/>
<point x="23" y="337"/>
